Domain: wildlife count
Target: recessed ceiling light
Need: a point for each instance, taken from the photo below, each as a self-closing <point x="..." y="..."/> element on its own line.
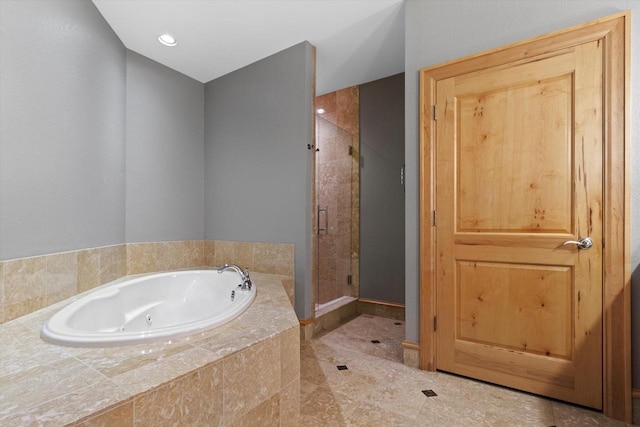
<point x="320" y="111"/>
<point x="167" y="40"/>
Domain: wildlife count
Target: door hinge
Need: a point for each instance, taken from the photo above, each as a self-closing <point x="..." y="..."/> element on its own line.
<point x="435" y="323"/>
<point x="602" y="243"/>
<point x="435" y="218"/>
<point x="351" y="150"/>
<point x="349" y="279"/>
<point x="435" y="112"/>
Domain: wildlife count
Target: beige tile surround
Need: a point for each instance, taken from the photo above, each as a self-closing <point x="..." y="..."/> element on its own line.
<point x="29" y="284"/>
<point x="246" y="372"/>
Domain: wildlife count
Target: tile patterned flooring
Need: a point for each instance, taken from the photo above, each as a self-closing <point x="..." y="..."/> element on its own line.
<point x="378" y="390"/>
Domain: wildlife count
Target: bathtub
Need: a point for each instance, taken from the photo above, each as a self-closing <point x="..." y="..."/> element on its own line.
<point x="151" y="308"/>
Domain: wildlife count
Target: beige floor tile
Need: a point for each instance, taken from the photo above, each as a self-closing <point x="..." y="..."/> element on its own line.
<point x="316" y="371"/>
<point x="322" y="408"/>
<point x="377" y="390"/>
<point x="572" y="416"/>
<point x="306" y="388"/>
<point x="367" y="415"/>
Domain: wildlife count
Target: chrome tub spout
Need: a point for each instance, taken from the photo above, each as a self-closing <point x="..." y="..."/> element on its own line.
<point x="246" y="283"/>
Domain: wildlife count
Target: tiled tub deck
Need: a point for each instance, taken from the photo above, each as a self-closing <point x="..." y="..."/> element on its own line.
<point x="244" y="372"/>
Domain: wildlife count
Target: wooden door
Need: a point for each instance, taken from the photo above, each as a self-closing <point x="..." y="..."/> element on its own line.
<point x="518" y="173"/>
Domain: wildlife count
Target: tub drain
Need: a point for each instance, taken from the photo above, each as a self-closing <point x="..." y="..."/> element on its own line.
<point x="149" y="320"/>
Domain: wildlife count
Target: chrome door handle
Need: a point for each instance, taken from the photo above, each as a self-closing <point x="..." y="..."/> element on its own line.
<point x="581" y="243"/>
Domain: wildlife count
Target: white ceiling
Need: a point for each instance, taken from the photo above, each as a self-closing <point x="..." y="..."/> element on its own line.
<point x="356" y="41"/>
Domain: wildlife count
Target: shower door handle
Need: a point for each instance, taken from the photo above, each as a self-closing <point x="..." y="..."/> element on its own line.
<point x="326" y="219"/>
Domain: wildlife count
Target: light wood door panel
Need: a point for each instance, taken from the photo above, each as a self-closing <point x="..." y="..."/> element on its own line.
<point x="532" y="297"/>
<point x="527" y="121"/>
<point x="518" y="172"/>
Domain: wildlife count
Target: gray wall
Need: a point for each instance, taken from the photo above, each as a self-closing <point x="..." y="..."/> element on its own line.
<point x="62" y="128"/>
<point x="76" y="107"/>
<point x="165" y="147"/>
<point x="438" y="31"/>
<point x="258" y="122"/>
<point x="381" y="193"/>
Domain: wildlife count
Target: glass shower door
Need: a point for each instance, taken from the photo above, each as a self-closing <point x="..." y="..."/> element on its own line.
<point x="334" y="211"/>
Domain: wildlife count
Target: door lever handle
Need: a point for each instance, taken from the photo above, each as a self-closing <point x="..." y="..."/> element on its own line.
<point x="581" y="243"/>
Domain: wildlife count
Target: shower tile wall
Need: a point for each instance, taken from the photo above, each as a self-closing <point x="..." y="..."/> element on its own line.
<point x="337" y="178"/>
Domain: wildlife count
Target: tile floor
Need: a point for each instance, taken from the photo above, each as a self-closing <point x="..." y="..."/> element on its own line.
<point x="378" y="390"/>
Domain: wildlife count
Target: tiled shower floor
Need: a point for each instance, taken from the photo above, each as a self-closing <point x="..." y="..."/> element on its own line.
<point x="376" y="389"/>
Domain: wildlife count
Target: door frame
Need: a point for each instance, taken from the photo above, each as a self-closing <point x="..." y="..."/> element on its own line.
<point x="615" y="32"/>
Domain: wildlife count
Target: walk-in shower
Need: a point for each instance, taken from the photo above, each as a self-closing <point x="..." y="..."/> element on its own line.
<point x="336" y="214"/>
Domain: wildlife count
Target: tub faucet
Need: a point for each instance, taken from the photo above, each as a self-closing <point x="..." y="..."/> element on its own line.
<point x="244" y="275"/>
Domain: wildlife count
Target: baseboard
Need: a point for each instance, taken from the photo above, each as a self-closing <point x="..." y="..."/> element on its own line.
<point x="412" y="345"/>
<point x="308" y="321"/>
<point x="411" y="354"/>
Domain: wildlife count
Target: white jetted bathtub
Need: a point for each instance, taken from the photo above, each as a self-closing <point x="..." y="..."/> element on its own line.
<point x="150" y="308"/>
